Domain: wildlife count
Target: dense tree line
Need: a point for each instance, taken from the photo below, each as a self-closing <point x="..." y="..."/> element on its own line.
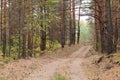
<point x="107" y="23"/>
<point x="29" y="24"/>
<point x="106" y="16"/>
<point x="26" y="25"/>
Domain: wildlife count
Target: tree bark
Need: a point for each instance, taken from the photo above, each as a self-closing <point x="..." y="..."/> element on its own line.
<point x="72" y="22"/>
<point x="109" y="27"/>
<point x="43" y="26"/>
<point x="23" y="31"/>
<point x="4" y="30"/>
<point x="78" y="34"/>
<point x="63" y="27"/>
<point x="1" y="17"/>
<point x="115" y="36"/>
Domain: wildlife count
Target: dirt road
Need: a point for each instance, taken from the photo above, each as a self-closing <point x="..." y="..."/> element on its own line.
<point x="70" y="67"/>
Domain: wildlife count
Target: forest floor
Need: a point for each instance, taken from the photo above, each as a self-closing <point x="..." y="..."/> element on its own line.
<point x="72" y="63"/>
<point x="102" y="67"/>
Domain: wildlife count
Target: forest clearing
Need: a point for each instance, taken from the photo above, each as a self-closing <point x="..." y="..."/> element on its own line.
<point x="59" y="40"/>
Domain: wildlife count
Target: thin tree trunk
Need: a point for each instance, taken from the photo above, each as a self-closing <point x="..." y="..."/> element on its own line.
<point x="9" y="27"/>
<point x="115" y="36"/>
<point x="29" y="30"/>
<point x="23" y="32"/>
<point x="29" y="44"/>
<point x="4" y="33"/>
<point x="43" y="31"/>
<point x="19" y="22"/>
<point x="73" y="22"/>
<point x="70" y="24"/>
<point x="1" y="21"/>
<point x="78" y="34"/>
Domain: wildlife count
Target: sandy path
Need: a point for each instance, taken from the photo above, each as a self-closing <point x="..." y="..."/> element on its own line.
<point x="76" y="63"/>
<point x="71" y="66"/>
<point x="47" y="72"/>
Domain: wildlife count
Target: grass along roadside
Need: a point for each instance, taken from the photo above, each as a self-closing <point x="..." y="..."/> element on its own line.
<point x="59" y="77"/>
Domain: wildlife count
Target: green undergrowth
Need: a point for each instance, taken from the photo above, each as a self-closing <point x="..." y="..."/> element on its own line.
<point x="50" y="46"/>
<point x="7" y="59"/>
<point x="2" y="78"/>
<point x="98" y="47"/>
<point x="60" y="77"/>
<point x="115" y="55"/>
<point x="115" y="58"/>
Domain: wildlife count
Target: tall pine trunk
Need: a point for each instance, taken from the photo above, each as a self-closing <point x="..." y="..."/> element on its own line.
<point x="115" y="36"/>
<point x="63" y="27"/>
<point x="1" y="16"/>
<point x="23" y="31"/>
<point x="43" y="26"/>
<point x="4" y="30"/>
<point x="109" y="27"/>
<point x="72" y="22"/>
<point x="78" y="34"/>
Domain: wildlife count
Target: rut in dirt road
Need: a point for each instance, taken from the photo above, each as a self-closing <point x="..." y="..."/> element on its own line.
<point x="70" y="67"/>
<point x="81" y="52"/>
<point x="76" y="72"/>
